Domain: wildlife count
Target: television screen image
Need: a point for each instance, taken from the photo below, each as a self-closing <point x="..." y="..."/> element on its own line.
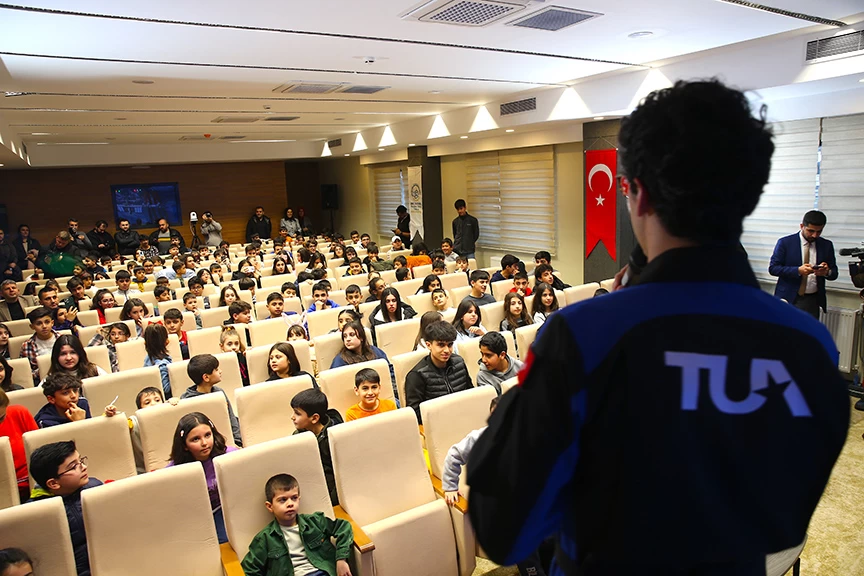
<point x="144" y="204"/>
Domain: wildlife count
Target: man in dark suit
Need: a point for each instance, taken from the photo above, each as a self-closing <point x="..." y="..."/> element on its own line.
<point x="802" y="262"/>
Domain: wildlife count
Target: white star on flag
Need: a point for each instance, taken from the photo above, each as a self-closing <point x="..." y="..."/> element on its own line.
<point x="600" y="200"/>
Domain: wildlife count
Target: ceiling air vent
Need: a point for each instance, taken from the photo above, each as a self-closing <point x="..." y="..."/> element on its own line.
<point x="280" y="118"/>
<point x="236" y="119"/>
<point x="518" y="106"/>
<point x="308" y="87"/>
<point x="554" y="18"/>
<point x="471" y="12"/>
<point x="334" y="143"/>
<point x="844" y="45"/>
<point x="231" y="137"/>
<point x="364" y="89"/>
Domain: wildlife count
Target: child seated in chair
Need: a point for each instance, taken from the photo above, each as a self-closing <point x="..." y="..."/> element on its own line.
<point x="65" y="404"/>
<point x="290" y="544"/>
<point x="367" y="387"/>
<point x="310" y="414"/>
<point x="173" y="320"/>
<point x="204" y="371"/>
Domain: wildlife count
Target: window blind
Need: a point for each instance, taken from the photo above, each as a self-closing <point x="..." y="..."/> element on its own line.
<point x="790" y="192"/>
<point x="389" y="194"/>
<point x="512" y="195"/>
<point x="840" y="191"/>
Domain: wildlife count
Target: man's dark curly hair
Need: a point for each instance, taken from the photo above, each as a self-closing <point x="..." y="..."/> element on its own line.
<point x="701" y="157"/>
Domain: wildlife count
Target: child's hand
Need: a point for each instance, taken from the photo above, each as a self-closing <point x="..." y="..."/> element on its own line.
<point x="451" y="498"/>
<point x="174" y="401"/>
<point x="110" y="410"/>
<point x="342" y="568"/>
<point x="475" y="330"/>
<point x="72" y="313"/>
<point x="75" y="414"/>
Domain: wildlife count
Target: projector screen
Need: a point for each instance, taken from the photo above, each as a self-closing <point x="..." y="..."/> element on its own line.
<point x="144" y="204"/>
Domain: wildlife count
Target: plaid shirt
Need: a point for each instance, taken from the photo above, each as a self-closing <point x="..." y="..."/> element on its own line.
<point x="29" y="351"/>
<point x="151" y="252"/>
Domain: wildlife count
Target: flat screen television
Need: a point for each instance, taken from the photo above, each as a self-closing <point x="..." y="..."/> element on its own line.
<point x="144" y="204"/>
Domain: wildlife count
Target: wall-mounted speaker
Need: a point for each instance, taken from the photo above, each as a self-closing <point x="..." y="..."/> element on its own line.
<point x="329" y="197"/>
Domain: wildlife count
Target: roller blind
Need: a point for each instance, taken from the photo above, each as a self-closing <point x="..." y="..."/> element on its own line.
<point x="841" y="196"/>
<point x="389" y="194"/>
<point x="512" y="195"/>
<point x="790" y="192"/>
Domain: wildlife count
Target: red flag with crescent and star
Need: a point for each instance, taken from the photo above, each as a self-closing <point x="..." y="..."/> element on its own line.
<point x="601" y="205"/>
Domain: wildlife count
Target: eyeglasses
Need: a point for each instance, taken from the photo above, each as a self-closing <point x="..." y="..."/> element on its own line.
<point x="81" y="464"/>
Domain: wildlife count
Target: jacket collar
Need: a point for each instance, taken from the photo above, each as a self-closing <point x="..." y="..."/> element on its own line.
<point x="700" y="264"/>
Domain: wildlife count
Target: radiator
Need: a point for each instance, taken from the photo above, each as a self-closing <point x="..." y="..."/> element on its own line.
<point x="844" y="325"/>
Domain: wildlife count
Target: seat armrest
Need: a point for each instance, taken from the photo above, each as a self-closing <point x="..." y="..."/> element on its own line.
<point x="230" y="561"/>
<point x="461" y="504"/>
<point x="422" y="433"/>
<point x="363" y="543"/>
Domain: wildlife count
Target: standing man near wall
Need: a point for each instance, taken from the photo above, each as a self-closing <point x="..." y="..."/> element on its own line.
<point x="127" y="240"/>
<point x="79" y="239"/>
<point x="101" y="239"/>
<point x="691" y="475"/>
<point x="802" y="262"/>
<point x="259" y="224"/>
<point x="211" y="229"/>
<point x="466" y="231"/>
<point x="403" y="225"/>
<point x="163" y="236"/>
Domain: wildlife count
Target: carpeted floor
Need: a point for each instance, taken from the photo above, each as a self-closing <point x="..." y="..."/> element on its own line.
<point x="835" y="544"/>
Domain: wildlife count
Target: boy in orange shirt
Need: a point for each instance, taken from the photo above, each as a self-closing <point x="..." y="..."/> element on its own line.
<point x="367" y="386"/>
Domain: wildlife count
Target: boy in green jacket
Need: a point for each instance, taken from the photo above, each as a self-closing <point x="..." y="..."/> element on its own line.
<point x="297" y="543"/>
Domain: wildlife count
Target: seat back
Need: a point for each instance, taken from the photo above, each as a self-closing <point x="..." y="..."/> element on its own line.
<point x="15" y="343"/>
<point x="214" y="316"/>
<point x="421" y="271"/>
<point x="362" y="449"/>
<point x="422" y="303"/>
<point x="8" y="477"/>
<point x="186" y="544"/>
<point x="157" y="425"/>
<point x="21" y="372"/>
<point x="329" y="346"/>
<point x="448" y="419"/>
<point x="492" y="314"/>
<point x="525" y="337"/>
<point x="607" y="284"/>
<point x="96" y="354"/>
<point x="265" y="409"/>
<point x="408" y="288"/>
<point x="366" y="310"/>
<point x="396" y="338"/>
<point x="469" y="350"/>
<point x="458" y="294"/>
<point x="19" y="328"/>
<point x="131" y="354"/>
<point x="41" y="528"/>
<point x="453" y="280"/>
<point x="88" y="317"/>
<point x="266" y="331"/>
<point x="402" y="364"/>
<point x="113" y="314"/>
<point x="206" y="340"/>
<point x="578" y="293"/>
<point x="231" y="380"/>
<point x="241" y="477"/>
<point x="105" y="441"/>
<point x="506" y="385"/>
<point x="321" y="322"/>
<point x="101" y="390"/>
<point x="257" y="360"/>
<point x="338" y="384"/>
<point x="31" y="398"/>
<point x="86" y="333"/>
<point x="500" y="288"/>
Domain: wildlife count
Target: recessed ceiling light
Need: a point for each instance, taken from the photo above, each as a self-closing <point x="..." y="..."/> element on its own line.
<point x="861" y="80"/>
<point x="434" y="91"/>
<point x="640" y="34"/>
<point x="259" y="141"/>
<point x="40" y="133"/>
<point x="69" y="143"/>
<point x="599" y="117"/>
<point x="409" y="145"/>
<point x="143" y="82"/>
<point x="347" y="154"/>
<point x="463" y="137"/>
<point x="380" y="149"/>
<point x="1" y="165"/>
<point x="510" y="130"/>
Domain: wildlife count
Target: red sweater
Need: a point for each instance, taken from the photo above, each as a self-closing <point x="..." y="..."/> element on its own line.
<point x="18" y="421"/>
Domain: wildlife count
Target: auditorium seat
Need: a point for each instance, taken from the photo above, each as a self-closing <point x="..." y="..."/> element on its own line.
<point x="458" y="294"/>
<point x="320" y="322"/>
<point x="265" y="409"/>
<point x="42" y="530"/>
<point x="607" y="284"/>
<point x="105" y="441"/>
<point x="389" y="276"/>
<point x="366" y="310"/>
<point x="31" y="398"/>
<point x="290" y="305"/>
<point x="421" y="303"/>
<point x="469" y="350"/>
<point x="19" y="328"/>
<point x="15" y="343"/>
<point x="267" y="331"/>
<point x="131" y="354"/>
<point x="88" y="317"/>
<point x="277" y="280"/>
<point x="338" y="383"/>
<point x="334" y="263"/>
<point x="421" y="271"/>
<point x="578" y="293"/>
<point x="506" y="385"/>
<point x="242" y="475"/>
<point x="446" y="421"/>
<point x="21" y="372"/>
<point x="404" y="510"/>
<point x="491" y="315"/>
<point x="245" y="296"/>
<point x="86" y="333"/>
<point x="8" y="478"/>
<point x="337" y="272"/>
<point x="407" y="288"/>
<point x="231" y="380"/>
<point x="396" y="338"/>
<point x="402" y="364"/>
<point x="113" y="314"/>
<point x="525" y="337"/>
<point x="329" y="346"/>
<point x="257" y="360"/>
<point x="453" y="280"/>
<point x="305" y="289"/>
<point x="500" y="289"/>
<point x="214" y="316"/>
<point x="158" y="423"/>
<point x="184" y="544"/>
<point x="101" y="390"/>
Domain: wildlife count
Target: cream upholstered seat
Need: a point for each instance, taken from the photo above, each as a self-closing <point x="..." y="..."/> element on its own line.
<point x="189" y="323"/>
<point x="86" y="333"/>
<point x="15" y="343"/>
<point x="421" y="303"/>
<point x="421" y="271"/>
<point x="396" y="338"/>
<point x="458" y="294"/>
<point x="469" y="350"/>
<point x="31" y="398"/>
<point x="389" y="276"/>
<point x="257" y="360"/>
<point x="19" y="328"/>
<point x="265" y="409"/>
<point x="101" y="390"/>
<point x="96" y="354"/>
<point x="186" y="544"/>
<point x="405" y="510"/>
<point x="408" y="288"/>
<point x="88" y="317"/>
<point x="500" y="289"/>
<point x="21" y="372"/>
<point x="206" y="340"/>
<point x="8" y="477"/>
<point x="158" y="423"/>
<point x="366" y="311"/>
<point x="267" y="331"/>
<point x="525" y="337"/>
<point x="104" y="440"/>
<point x="42" y="530"/>
<point x="506" y="385"/>
<point x="607" y="284"/>
<point x="578" y="293"/>
<point x="113" y="314"/>
<point x="231" y="380"/>
<point x="131" y="354"/>
<point x="241" y="477"/>
<point x="453" y="280"/>
<point x="338" y="384"/>
<point x="321" y="322"/>
<point x="214" y="316"/>
<point x="329" y="346"/>
<point x="402" y="364"/>
<point x="492" y="315"/>
<point x="452" y="417"/>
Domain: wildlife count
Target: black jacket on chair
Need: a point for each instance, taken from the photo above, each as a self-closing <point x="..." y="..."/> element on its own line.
<point x="127" y="242"/>
<point x="426" y="381"/>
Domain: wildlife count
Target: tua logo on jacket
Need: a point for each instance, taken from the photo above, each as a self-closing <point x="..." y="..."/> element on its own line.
<point x="768" y="379"/>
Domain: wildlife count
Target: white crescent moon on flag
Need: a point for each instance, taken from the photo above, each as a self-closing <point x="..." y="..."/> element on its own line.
<point x="600" y="168"/>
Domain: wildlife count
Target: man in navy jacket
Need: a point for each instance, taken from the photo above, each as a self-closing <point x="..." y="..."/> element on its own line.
<point x="652" y="429"/>
<point x="803" y="283"/>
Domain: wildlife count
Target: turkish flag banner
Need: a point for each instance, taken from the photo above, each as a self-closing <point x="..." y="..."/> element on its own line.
<point x="601" y="199"/>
